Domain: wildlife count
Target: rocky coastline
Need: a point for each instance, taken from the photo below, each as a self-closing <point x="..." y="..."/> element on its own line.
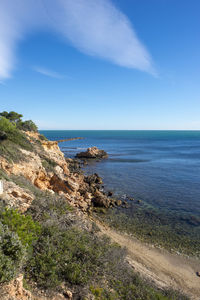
<point x="39" y="181"/>
<point x="49" y="170"/>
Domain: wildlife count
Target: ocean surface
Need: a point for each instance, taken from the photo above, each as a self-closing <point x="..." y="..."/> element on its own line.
<point x="161" y="168"/>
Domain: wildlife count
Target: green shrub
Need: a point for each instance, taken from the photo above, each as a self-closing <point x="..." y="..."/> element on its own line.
<point x="48" y="164"/>
<point x="3" y="175"/>
<point x="42" y="137"/>
<point x="11" y="254"/>
<point x="26" y="229"/>
<point x="28" y="125"/>
<point x="96" y="291"/>
<point x="73" y="255"/>
<point x="10" y="147"/>
<point x="6" y="126"/>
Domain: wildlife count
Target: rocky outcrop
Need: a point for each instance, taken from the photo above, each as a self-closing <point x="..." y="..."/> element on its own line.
<point x="15" y="196"/>
<point x="92" y="153"/>
<point x="93" y="179"/>
<point x="14" y="290"/>
<point x="56" y="175"/>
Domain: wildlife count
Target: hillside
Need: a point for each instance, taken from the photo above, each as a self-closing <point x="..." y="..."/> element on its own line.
<point x="50" y="247"/>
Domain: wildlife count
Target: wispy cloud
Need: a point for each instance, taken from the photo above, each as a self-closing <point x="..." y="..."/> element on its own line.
<point x="95" y="27"/>
<point x="47" y="72"/>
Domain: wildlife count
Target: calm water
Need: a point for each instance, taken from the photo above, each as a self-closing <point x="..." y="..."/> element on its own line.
<point x="162" y="168"/>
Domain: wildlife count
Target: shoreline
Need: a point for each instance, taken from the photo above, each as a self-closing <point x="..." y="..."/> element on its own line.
<point x="176" y="233"/>
<point x="164" y="269"/>
<point x="48" y="187"/>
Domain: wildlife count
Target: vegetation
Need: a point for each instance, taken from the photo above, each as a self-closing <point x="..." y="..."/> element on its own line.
<point x="3" y="175"/>
<point x="15" y="119"/>
<point x="26" y="229"/>
<point x="12" y="139"/>
<point x="67" y="252"/>
<point x="7" y="126"/>
<point x="11" y="116"/>
<point x="42" y="137"/>
<point x="27" y="126"/>
<point x="11" y="253"/>
<point x="18" y="233"/>
<point x="48" y="164"/>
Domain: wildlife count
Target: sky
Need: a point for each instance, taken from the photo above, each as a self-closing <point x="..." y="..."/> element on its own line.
<point x="101" y="64"/>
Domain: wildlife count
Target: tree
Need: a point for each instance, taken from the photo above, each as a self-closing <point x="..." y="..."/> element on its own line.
<point x="10" y="119"/>
<point x="28" y="126"/>
<point x="12" y="116"/>
<point x="4" y="114"/>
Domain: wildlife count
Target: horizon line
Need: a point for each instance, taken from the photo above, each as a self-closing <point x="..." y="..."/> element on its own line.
<point x="118" y="129"/>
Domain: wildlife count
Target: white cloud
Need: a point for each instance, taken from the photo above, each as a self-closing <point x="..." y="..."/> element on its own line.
<point x="47" y="72"/>
<point x="95" y="27"/>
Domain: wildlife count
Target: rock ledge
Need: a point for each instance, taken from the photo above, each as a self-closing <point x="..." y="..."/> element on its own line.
<point x="93" y="153"/>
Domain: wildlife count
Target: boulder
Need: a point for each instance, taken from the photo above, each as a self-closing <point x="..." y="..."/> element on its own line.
<point x="118" y="202"/>
<point x="101" y="200"/>
<point x="93" y="179"/>
<point x="92" y="152"/>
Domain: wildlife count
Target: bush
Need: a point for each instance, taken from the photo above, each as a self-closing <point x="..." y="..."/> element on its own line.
<point x="27" y="126"/>
<point x="42" y="137"/>
<point x="6" y="126"/>
<point x="10" y="147"/>
<point x="12" y="139"/>
<point x="74" y="256"/>
<point x="49" y="164"/>
<point x="11" y="254"/>
<point x="26" y="229"/>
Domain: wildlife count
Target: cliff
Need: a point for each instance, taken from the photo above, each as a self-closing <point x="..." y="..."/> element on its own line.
<point x="47" y="169"/>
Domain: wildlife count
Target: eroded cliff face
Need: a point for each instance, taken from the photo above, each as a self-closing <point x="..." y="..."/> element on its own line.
<point x="47" y="169"/>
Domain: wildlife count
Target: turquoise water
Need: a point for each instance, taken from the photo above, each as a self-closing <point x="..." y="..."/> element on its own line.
<point x="161" y="168"/>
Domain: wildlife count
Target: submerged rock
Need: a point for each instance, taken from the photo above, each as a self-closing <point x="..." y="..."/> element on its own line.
<point x="92" y="152"/>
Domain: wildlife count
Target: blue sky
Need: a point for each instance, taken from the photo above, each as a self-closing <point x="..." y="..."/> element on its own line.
<point x="99" y="64"/>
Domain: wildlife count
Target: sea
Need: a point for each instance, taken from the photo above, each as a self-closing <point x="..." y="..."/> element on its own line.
<point x="159" y="168"/>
